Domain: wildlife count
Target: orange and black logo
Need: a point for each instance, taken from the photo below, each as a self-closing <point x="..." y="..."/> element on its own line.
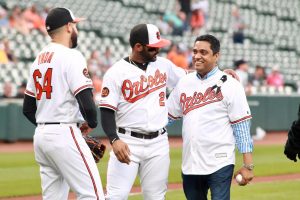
<point x="158" y="35"/>
<point x="105" y="92"/>
<point x="86" y="73"/>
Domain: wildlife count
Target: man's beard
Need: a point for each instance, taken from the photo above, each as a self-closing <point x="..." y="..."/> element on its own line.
<point x="74" y="39"/>
<point x="147" y="57"/>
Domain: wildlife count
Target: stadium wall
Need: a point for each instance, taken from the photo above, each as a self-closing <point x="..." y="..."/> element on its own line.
<point x="272" y="113"/>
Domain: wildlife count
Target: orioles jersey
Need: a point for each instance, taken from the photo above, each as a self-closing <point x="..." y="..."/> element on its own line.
<point x="139" y="97"/>
<point x="56" y="76"/>
<point x="208" y="140"/>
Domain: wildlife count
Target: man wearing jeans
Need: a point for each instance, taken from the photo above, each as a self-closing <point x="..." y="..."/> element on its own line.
<point x="216" y="116"/>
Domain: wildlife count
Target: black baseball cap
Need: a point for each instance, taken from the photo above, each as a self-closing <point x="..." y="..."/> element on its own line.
<point x="148" y="35"/>
<point x="59" y="17"/>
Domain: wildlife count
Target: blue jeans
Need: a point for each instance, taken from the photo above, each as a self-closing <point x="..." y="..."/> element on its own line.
<point x="196" y="187"/>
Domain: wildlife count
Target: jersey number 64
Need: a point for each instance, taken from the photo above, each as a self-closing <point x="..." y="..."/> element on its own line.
<point x="47" y="88"/>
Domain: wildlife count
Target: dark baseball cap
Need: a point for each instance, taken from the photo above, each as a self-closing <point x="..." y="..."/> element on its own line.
<point x="59" y="17"/>
<point x="148" y="35"/>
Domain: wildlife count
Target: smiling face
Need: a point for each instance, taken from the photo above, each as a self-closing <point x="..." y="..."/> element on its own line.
<point x="204" y="59"/>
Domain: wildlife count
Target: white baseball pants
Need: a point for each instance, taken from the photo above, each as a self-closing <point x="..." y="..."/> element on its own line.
<point x="66" y="162"/>
<point x="149" y="159"/>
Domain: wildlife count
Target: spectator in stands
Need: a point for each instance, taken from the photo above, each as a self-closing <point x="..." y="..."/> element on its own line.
<point x="3" y="56"/>
<point x="275" y="78"/>
<point x="3" y="17"/>
<point x="21" y="90"/>
<point x="185" y="7"/>
<point x="238" y="26"/>
<point x="176" y="21"/>
<point x="17" y="20"/>
<point x="44" y="13"/>
<point x="163" y="26"/>
<point x="10" y="55"/>
<point x="8" y="90"/>
<point x="107" y="59"/>
<point x="197" y="21"/>
<point x="181" y="58"/>
<point x="241" y="69"/>
<point x="34" y="20"/>
<point x="172" y="52"/>
<point x="258" y="79"/>
<point x="97" y="83"/>
<point x="203" y="5"/>
<point x="95" y="64"/>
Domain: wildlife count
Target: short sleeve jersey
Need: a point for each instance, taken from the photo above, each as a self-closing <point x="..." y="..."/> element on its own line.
<point x="209" y="143"/>
<point x="137" y="96"/>
<point x="57" y="75"/>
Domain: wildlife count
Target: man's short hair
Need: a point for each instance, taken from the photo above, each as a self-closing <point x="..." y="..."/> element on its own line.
<point x="212" y="40"/>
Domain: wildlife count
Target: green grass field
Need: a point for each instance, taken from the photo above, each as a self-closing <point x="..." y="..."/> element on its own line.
<point x="19" y="175"/>
<point x="287" y="190"/>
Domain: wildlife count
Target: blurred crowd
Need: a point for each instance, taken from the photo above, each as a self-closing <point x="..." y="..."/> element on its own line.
<point x="259" y="81"/>
<point x="24" y="19"/>
<point x="189" y="15"/>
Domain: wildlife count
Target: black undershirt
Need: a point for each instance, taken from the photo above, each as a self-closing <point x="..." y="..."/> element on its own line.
<point x="108" y="123"/>
<point x="142" y="66"/>
<point x="84" y="99"/>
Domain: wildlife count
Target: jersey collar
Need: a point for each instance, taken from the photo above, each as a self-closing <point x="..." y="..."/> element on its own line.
<point x="209" y="74"/>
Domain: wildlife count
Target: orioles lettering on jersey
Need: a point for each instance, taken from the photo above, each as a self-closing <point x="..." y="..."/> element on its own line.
<point x="133" y="91"/>
<point x="199" y="99"/>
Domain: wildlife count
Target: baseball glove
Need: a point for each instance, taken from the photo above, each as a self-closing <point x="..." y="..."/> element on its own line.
<point x="96" y="147"/>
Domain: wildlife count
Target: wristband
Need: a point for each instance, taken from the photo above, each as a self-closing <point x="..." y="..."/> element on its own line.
<point x="115" y="139"/>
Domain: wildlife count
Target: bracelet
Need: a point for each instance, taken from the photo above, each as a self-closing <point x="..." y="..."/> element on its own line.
<point x="115" y="139"/>
<point x="249" y="166"/>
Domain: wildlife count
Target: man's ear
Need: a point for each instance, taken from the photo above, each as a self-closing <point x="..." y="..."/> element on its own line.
<point x="69" y="27"/>
<point x="138" y="47"/>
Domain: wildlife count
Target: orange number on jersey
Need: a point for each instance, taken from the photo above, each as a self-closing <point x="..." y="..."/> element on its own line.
<point x="46" y="85"/>
<point x="162" y="99"/>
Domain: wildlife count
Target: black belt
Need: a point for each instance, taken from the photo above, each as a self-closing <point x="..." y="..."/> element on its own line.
<point x="52" y="123"/>
<point x="151" y="135"/>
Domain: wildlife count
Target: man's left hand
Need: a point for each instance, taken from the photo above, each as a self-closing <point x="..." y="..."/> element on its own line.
<point x="246" y="174"/>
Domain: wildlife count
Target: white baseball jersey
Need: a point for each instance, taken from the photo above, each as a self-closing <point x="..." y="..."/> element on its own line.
<point x="137" y="96"/>
<point x="53" y="75"/>
<point x="208" y="140"/>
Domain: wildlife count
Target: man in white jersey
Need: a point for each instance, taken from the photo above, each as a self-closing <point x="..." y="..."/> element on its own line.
<point x="58" y="97"/>
<point x="216" y="116"/>
<point x="133" y="102"/>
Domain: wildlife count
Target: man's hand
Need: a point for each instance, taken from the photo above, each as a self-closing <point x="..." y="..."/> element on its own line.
<point x="85" y="129"/>
<point x="246" y="174"/>
<point x="232" y="73"/>
<point x="121" y="151"/>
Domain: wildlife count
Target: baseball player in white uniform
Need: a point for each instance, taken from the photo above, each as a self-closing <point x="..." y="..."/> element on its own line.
<point x="58" y="97"/>
<point x="216" y="117"/>
<point x="134" y="116"/>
